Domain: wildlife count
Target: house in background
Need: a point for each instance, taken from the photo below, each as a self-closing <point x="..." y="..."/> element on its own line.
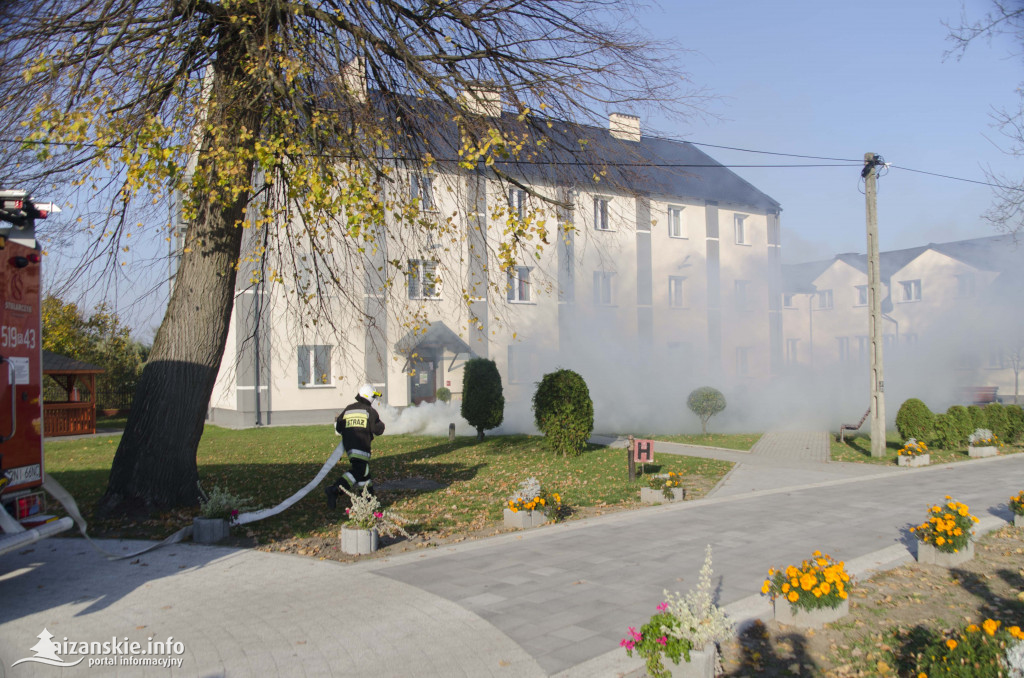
<point x="668" y="270"/>
<point x="944" y="305"/>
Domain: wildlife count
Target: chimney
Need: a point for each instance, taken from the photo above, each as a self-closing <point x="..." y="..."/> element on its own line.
<point x="625" y="127"/>
<point x="353" y="78"/>
<point x="482" y="99"/>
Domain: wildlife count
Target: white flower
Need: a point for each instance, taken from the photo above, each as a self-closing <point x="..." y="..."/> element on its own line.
<point x="700" y="620"/>
<point x="980" y="435"/>
<point x="528" y="490"/>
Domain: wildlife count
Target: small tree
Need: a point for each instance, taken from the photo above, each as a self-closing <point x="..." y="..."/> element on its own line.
<point x="998" y="423"/>
<point x="915" y="420"/>
<point x="705" y="402"/>
<point x="483" y="403"/>
<point x="1015" y="423"/>
<point x="978" y="419"/>
<point x="444" y="394"/>
<point x="961" y="427"/>
<point x="563" y="411"/>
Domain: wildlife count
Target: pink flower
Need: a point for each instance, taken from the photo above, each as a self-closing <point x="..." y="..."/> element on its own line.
<point x="347" y="511"/>
<point x="663" y="640"/>
<point x="662" y="607"/>
<point x="636" y="636"/>
<point x="378" y="515"/>
<point x="628" y="644"/>
<point x="234" y="513"/>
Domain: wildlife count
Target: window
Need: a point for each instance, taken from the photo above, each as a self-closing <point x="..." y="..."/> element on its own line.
<point x="420" y="188"/>
<point x="787" y="300"/>
<point x="676" y="224"/>
<point x="517" y="202"/>
<point x="911" y="290"/>
<point x="844" y="348"/>
<point x="601" y="214"/>
<point x="742" y="288"/>
<point x="739" y="225"/>
<point x="791" y="351"/>
<point x="519" y="283"/>
<point x="965" y="285"/>
<point x="824" y="299"/>
<point x="742" y="361"/>
<point x="862" y="295"/>
<point x="314" y="366"/>
<point x="603" y="288"/>
<point x="863" y="348"/>
<point x="677" y="291"/>
<point x="522" y="363"/>
<point x="423" y="280"/>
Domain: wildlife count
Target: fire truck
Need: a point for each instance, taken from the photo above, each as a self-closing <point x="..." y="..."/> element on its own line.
<point x="22" y="506"/>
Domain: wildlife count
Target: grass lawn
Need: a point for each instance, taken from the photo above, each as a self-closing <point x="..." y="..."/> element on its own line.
<point x="730" y="441"/>
<point x="270" y="464"/>
<point x="858" y="449"/>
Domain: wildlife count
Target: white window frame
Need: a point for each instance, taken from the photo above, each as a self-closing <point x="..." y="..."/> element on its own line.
<point x="862" y="295"/>
<point x="421" y="187"/>
<point x="313" y="377"/>
<point x="418" y="272"/>
<point x="517" y="202"/>
<point x="825" y="300"/>
<point x="910" y="290"/>
<point x="677" y="222"/>
<point x="844" y="349"/>
<point x="740" y="229"/>
<point x="792" y="347"/>
<point x="602" y="213"/>
<point x="677" y="291"/>
<point x="604" y="288"/>
<point x="519" y="285"/>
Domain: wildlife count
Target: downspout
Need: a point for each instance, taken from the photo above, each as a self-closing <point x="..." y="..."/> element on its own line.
<point x="259" y="312"/>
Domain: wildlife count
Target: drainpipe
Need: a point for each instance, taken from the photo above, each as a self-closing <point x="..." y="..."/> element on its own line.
<point x="258" y="304"/>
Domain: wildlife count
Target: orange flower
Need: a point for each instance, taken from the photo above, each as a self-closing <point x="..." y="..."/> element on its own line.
<point x="951" y="644"/>
<point x="990" y="626"/>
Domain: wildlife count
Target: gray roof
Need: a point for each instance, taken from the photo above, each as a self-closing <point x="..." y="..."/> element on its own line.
<point x="999" y="253"/>
<point x="437" y="335"/>
<point x="54" y="363"/>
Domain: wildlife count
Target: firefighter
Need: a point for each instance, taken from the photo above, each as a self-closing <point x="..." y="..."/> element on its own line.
<point x="357" y="425"/>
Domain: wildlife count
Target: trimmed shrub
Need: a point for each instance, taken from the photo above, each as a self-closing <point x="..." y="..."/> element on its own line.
<point x="1014" y="424"/>
<point x="945" y="434"/>
<point x="563" y="411"/>
<point x="705" y="402"/>
<point x="995" y="417"/>
<point x="962" y="426"/>
<point x="444" y="394"/>
<point x="914" y="420"/>
<point x="483" y="402"/>
<point x="977" y="415"/>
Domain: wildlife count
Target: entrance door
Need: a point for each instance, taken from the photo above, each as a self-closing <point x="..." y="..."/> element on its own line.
<point x="423" y="382"/>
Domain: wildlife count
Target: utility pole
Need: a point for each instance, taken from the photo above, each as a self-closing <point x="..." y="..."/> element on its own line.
<point x="871" y="163"/>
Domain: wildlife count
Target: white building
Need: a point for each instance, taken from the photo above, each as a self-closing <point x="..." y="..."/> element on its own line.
<point x="670" y="260"/>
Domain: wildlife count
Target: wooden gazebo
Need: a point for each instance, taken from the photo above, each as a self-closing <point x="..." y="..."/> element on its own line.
<point x="76" y="413"/>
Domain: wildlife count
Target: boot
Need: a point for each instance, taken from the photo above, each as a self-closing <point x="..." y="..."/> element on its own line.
<point x="332" y="496"/>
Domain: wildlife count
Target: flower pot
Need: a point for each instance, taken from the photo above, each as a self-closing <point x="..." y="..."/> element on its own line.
<point x="987" y="451"/>
<point x="358" y="542"/>
<point x="929" y="555"/>
<point x="809" y="619"/>
<point x="1018" y="521"/>
<point x="652" y="496"/>
<point x="524" y="519"/>
<point x="914" y="460"/>
<point x="209" y="530"/>
<point x="701" y="665"/>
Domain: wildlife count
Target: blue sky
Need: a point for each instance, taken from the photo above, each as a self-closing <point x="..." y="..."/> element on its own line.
<point x="839" y="80"/>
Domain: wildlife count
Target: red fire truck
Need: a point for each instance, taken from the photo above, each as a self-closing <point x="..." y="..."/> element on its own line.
<point x="22" y="519"/>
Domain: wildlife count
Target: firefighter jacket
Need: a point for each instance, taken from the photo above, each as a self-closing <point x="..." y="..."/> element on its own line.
<point x="358" y="424"/>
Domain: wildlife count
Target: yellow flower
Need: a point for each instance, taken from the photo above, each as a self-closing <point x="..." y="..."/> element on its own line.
<point x="793" y="596"/>
<point x="766" y="586"/>
<point x="951" y="644"/>
<point x="990" y="626"/>
<point x="1016" y="632"/>
<point x="973" y="628"/>
<point x="940" y="541"/>
<point x="785" y="587"/>
<point x="922" y="675"/>
<point x="826" y="588"/>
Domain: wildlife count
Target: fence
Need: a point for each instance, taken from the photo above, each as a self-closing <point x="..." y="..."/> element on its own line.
<point x="117" y="397"/>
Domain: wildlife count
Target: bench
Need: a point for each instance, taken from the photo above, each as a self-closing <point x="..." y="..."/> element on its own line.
<point x="980" y="395"/>
<point x="850" y="427"/>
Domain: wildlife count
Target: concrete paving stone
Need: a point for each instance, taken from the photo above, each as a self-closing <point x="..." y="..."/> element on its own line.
<point x="482" y="600"/>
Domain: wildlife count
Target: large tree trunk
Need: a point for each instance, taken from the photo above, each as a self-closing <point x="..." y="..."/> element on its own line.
<point x="155" y="464"/>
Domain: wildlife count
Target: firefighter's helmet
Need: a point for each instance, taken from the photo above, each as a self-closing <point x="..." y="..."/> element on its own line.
<point x="368" y="392"/>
